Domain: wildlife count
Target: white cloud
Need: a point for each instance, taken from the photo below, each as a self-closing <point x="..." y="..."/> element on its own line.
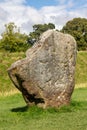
<point x="25" y="16"/>
<point x="67" y="2"/>
<point x="22" y="15"/>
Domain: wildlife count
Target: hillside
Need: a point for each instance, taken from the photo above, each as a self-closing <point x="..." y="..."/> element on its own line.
<point x="6" y="59"/>
<point x="81" y="69"/>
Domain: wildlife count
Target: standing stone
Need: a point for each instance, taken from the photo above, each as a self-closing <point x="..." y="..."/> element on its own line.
<point x="46" y="76"/>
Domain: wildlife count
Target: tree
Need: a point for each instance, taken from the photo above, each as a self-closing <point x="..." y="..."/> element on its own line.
<point x="78" y="29"/>
<point x="12" y="40"/>
<point x="38" y="29"/>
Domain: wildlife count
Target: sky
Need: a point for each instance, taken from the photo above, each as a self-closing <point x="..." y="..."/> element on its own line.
<point x="26" y="13"/>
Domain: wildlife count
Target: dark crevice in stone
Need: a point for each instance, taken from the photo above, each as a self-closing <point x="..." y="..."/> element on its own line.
<point x="19" y="80"/>
<point x="31" y="97"/>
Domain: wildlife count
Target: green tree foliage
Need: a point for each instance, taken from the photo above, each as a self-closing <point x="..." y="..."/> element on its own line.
<point x="12" y="40"/>
<point x="38" y="29"/>
<point x="77" y="28"/>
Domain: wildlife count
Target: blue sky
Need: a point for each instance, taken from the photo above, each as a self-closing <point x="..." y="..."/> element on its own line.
<point x="26" y="13"/>
<point x="40" y="3"/>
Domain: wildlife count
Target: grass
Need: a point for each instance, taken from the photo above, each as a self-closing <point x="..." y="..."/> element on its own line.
<point x="6" y="59"/>
<point x="81" y="68"/>
<point x="15" y="115"/>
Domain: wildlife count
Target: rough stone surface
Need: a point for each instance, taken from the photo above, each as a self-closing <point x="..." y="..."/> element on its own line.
<point x="46" y="76"/>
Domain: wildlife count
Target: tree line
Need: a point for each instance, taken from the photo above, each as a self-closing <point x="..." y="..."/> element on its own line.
<point x="13" y="40"/>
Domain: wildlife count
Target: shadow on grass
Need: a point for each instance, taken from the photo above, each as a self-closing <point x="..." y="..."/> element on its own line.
<point x="20" y="109"/>
<point x="79" y="105"/>
<point x="74" y="106"/>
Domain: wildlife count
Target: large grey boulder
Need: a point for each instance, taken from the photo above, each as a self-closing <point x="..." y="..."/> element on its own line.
<point x="46" y="76"/>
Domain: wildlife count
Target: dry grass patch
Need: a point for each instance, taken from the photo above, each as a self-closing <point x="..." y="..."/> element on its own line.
<point x="81" y="85"/>
<point x="8" y="93"/>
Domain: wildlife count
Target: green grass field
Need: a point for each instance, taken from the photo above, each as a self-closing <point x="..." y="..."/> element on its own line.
<point x="15" y="115"/>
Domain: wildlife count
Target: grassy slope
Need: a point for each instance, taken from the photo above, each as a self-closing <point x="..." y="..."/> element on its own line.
<point x="6" y="59"/>
<point x="81" y="68"/>
<point x="14" y="115"/>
